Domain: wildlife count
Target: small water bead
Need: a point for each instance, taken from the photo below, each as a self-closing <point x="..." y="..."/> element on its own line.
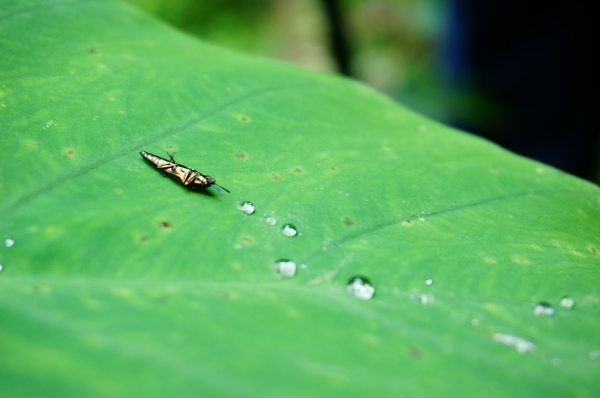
<point x="427" y="299"/>
<point x="271" y="221"/>
<point x="360" y="288"/>
<point x="9" y="242"/>
<point x="520" y="344"/>
<point x="289" y="230"/>
<point x="247" y="208"/>
<point x="567" y="302"/>
<point x="593" y="355"/>
<point x="285" y="268"/>
<point x="543" y="309"/>
<point x="428" y="281"/>
<point x="0" y="267"/>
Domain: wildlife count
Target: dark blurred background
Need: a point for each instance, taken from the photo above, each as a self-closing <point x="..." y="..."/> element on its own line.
<point x="519" y="73"/>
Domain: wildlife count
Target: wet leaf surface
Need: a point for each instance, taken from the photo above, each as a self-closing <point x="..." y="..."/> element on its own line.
<point x="119" y="282"/>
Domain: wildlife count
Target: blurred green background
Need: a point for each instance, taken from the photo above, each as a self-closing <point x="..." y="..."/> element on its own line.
<point x="393" y="45"/>
<point x="515" y="74"/>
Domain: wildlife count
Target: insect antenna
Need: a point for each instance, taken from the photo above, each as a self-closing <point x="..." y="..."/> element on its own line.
<point x="218" y="188"/>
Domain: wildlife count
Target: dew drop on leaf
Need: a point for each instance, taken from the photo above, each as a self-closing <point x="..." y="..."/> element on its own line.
<point x="246" y="208"/>
<point x="543" y="309"/>
<point x="9" y="242"/>
<point x="360" y="287"/>
<point x="289" y="230"/>
<point x="428" y="281"/>
<point x="567" y="302"/>
<point x="285" y="268"/>
<point x="271" y="221"/>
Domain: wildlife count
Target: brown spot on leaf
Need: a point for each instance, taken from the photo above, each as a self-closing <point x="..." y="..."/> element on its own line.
<point x="348" y="222"/>
<point x="164" y="224"/>
<point x="170" y="146"/>
<point x="415" y="352"/>
<point x="593" y="250"/>
<point x="161" y="300"/>
<point x="247" y="239"/>
<point x="143" y="238"/>
<point x="448" y="227"/>
<point x="70" y="152"/>
<point x="333" y="168"/>
<point x="225" y="295"/>
<point x="91" y="51"/>
<point x="276" y="177"/>
<point x="243" y="118"/>
<point x="297" y="170"/>
<point x="241" y="155"/>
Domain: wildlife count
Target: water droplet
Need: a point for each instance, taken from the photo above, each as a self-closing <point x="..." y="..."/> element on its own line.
<point x="593" y="355"/>
<point x="475" y="322"/>
<point x="238" y="246"/>
<point x="0" y="267"/>
<point x="303" y="266"/>
<point x="288" y="230"/>
<point x="271" y="221"/>
<point x="428" y="281"/>
<point x="520" y="344"/>
<point x="9" y="242"/>
<point x="567" y="302"/>
<point x="285" y="268"/>
<point x="247" y="208"/>
<point x="543" y="309"/>
<point x="360" y="288"/>
<point x="426" y="299"/>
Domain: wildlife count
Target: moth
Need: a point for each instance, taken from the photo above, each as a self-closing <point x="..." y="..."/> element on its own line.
<point x="183" y="174"/>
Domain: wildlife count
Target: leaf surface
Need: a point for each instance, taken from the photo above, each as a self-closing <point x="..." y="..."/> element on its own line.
<point x="122" y="283"/>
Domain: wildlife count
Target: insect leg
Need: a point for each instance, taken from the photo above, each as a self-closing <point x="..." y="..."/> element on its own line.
<point x="166" y="165"/>
<point x="189" y="176"/>
<point x="171" y="156"/>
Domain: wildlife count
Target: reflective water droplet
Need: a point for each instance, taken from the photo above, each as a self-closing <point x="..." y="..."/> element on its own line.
<point x="9" y="242"/>
<point x="285" y="268"/>
<point x="0" y="267"/>
<point x="593" y="355"/>
<point x="288" y="230"/>
<point x="271" y="221"/>
<point x="475" y="322"/>
<point x="247" y="208"/>
<point x="238" y="246"/>
<point x="543" y="309"/>
<point x="360" y="288"/>
<point x="428" y="281"/>
<point x="520" y="344"/>
<point x="426" y="299"/>
<point x="567" y="302"/>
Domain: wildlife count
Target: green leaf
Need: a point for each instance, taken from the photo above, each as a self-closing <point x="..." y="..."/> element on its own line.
<point x="124" y="283"/>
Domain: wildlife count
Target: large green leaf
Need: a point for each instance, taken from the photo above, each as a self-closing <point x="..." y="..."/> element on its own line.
<point x="122" y="283"/>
